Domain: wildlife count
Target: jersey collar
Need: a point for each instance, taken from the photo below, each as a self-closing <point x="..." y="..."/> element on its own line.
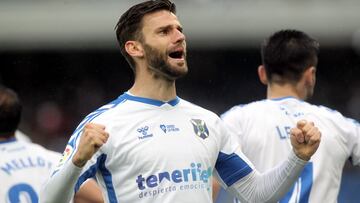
<point x="13" y="139"/>
<point x="283" y="98"/>
<point x="154" y="102"/>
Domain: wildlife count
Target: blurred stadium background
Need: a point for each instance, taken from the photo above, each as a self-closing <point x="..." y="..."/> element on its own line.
<point x="63" y="60"/>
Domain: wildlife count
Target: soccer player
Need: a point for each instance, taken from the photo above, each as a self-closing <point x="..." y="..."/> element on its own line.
<point x="289" y="61"/>
<point x="149" y="145"/>
<point x="24" y="166"/>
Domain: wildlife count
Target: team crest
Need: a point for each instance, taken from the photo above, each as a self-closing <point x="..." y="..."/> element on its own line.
<point x="200" y="128"/>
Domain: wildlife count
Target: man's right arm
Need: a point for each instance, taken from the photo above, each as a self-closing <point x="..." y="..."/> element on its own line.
<point x="60" y="187"/>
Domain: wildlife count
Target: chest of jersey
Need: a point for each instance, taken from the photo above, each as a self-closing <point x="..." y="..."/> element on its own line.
<point x="159" y="152"/>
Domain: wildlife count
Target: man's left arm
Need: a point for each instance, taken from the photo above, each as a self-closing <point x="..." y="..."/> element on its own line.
<point x="273" y="184"/>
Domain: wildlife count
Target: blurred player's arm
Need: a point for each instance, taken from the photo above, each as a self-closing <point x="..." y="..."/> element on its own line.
<point x="353" y="140"/>
<point x="89" y="192"/>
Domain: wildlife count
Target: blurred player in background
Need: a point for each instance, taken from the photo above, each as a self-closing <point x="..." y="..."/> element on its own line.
<point x="25" y="166"/>
<point x="151" y="146"/>
<point x="289" y="61"/>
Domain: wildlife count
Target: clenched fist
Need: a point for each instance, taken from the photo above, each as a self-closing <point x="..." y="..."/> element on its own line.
<point x="92" y="138"/>
<point x="305" y="139"/>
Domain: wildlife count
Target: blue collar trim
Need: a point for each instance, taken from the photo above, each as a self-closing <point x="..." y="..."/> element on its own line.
<point x="154" y="102"/>
<point x="282" y="98"/>
<point x="13" y="139"/>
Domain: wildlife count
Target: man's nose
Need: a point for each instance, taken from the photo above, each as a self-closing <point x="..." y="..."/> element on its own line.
<point x="179" y="36"/>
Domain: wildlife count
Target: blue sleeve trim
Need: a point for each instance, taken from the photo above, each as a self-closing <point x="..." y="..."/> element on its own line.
<point x="231" y="168"/>
<point x="78" y="131"/>
<point x="87" y="174"/>
<point x="106" y="174"/>
<point x="92" y="116"/>
<point x="13" y="139"/>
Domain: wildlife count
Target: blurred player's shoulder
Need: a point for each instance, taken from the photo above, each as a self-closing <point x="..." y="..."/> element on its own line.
<point x="241" y="110"/>
<point x="22" y="146"/>
<point x="22" y="136"/>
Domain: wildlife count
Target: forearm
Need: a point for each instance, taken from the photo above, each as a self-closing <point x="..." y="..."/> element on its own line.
<point x="269" y="186"/>
<point x="60" y="187"/>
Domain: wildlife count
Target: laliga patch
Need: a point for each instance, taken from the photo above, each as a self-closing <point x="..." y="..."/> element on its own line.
<point x="66" y="155"/>
<point x="200" y="128"/>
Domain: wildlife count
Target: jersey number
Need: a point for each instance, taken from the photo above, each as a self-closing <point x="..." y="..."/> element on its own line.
<point x="283" y="132"/>
<point x="22" y="189"/>
<point x="300" y="191"/>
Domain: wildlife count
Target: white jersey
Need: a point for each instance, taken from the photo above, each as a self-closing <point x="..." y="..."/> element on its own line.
<point x="263" y="130"/>
<point x="158" y="152"/>
<point x="19" y="135"/>
<point x="24" y="167"/>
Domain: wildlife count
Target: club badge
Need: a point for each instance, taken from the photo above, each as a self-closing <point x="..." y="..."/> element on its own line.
<point x="200" y="128"/>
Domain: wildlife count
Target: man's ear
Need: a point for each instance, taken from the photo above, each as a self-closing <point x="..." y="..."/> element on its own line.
<point x="134" y="48"/>
<point x="310" y="76"/>
<point x="262" y="75"/>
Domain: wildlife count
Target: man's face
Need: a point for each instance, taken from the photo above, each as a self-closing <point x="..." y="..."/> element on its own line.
<point x="164" y="45"/>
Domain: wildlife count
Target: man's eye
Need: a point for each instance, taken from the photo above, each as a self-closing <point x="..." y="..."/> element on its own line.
<point x="164" y="32"/>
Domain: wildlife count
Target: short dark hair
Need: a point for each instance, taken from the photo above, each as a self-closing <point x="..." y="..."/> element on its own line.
<point x="10" y="111"/>
<point x="287" y="54"/>
<point x="130" y="23"/>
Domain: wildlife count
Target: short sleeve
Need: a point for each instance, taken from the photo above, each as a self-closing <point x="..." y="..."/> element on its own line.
<point x="231" y="164"/>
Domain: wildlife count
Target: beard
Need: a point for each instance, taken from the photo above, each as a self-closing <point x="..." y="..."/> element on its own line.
<point x="159" y="64"/>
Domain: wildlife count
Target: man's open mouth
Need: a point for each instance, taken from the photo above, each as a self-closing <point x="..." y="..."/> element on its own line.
<point x="177" y="54"/>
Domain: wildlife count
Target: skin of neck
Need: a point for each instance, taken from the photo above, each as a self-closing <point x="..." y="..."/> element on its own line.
<point x="301" y="89"/>
<point x="151" y="84"/>
<point x="275" y="90"/>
